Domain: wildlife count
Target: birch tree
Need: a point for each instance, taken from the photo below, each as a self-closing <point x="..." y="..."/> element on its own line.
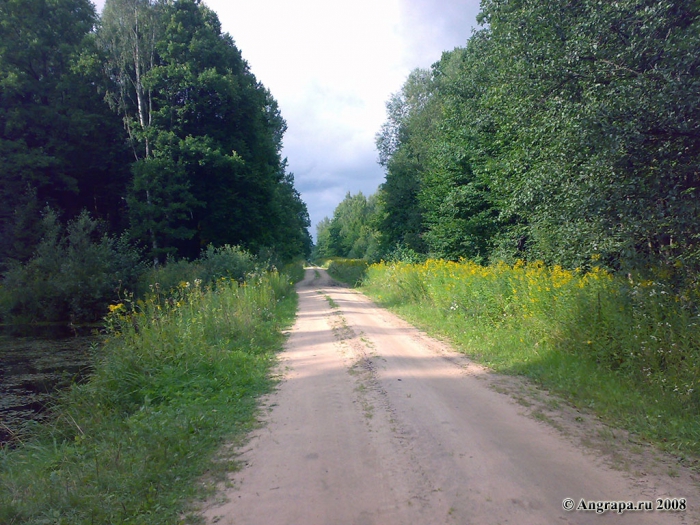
<point x="129" y="35"/>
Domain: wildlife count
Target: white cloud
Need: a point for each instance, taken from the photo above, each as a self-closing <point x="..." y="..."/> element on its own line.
<point x="331" y="65"/>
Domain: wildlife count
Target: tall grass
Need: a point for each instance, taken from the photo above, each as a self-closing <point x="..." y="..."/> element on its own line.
<point x="630" y="350"/>
<point x="177" y="377"/>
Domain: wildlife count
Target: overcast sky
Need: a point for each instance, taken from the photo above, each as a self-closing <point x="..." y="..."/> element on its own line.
<point x="331" y="65"/>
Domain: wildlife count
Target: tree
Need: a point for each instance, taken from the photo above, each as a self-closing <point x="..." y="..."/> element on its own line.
<point x="291" y="217"/>
<point x="595" y="102"/>
<point x="352" y="230"/>
<point x="128" y="34"/>
<point x="323" y="249"/>
<point x="433" y="201"/>
<point x="206" y="134"/>
<point x="562" y="132"/>
<point x="403" y="144"/>
<point x="59" y="145"/>
<point x="225" y="128"/>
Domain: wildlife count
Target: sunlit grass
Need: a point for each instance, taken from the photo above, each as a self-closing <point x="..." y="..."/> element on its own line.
<point x="628" y="350"/>
<point x="177" y="377"/>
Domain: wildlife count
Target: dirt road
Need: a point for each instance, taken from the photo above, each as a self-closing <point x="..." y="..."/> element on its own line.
<point x="375" y="423"/>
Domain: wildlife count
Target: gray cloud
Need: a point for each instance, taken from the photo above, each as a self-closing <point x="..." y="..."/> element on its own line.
<point x="332" y="66"/>
<point x="427" y="29"/>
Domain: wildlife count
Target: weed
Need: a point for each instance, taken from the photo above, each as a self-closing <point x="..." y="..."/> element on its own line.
<point x="331" y="302"/>
<point x="177" y="377"/>
<point x="627" y="349"/>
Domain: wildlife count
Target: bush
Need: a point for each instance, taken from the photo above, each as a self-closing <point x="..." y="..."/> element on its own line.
<point x="402" y="253"/>
<point x="168" y="276"/>
<point x="226" y="262"/>
<point x="294" y="270"/>
<point x="74" y="273"/>
<point x="229" y="262"/>
<point x="349" y="271"/>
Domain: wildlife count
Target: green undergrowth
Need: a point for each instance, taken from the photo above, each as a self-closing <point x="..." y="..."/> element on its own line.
<point x="295" y="271"/>
<point x="348" y="271"/>
<point x="177" y="377"/>
<point x="628" y="351"/>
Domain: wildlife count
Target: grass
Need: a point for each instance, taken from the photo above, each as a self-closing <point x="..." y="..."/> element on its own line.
<point x="331" y="302"/>
<point x="629" y="351"/>
<point x="177" y="378"/>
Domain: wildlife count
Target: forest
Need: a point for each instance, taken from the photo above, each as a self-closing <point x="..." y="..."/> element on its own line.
<point x="566" y="132"/>
<point x="129" y="140"/>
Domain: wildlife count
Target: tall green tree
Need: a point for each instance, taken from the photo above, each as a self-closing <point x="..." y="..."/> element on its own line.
<point x="403" y="143"/>
<point x="461" y="213"/>
<point x="563" y="131"/>
<point x="291" y="219"/>
<point x="206" y="134"/>
<point x="224" y="127"/>
<point x="433" y="200"/>
<point x="352" y="231"/>
<point x="129" y="33"/>
<point x="596" y="102"/>
<point x="59" y="144"/>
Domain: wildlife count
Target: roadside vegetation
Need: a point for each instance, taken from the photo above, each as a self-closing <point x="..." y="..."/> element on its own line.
<point x="629" y="350"/>
<point x="109" y="171"/>
<point x="177" y="377"/>
<point x="540" y="205"/>
<point x="348" y="271"/>
<point x="159" y="219"/>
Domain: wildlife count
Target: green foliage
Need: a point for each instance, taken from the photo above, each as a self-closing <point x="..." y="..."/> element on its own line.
<point x="402" y="253"/>
<point x="160" y="203"/>
<point x="560" y="132"/>
<point x="349" y="271"/>
<point x="187" y="151"/>
<point x="629" y="350"/>
<point x="59" y="143"/>
<point x="212" y="171"/>
<point x="291" y="237"/>
<point x="600" y="135"/>
<point x="323" y="249"/>
<point x="403" y="144"/>
<point x="227" y="262"/>
<point x="73" y="274"/>
<point x="214" y="264"/>
<point x="295" y="271"/>
<point x="351" y="233"/>
<point x="433" y="200"/>
<point x="178" y="375"/>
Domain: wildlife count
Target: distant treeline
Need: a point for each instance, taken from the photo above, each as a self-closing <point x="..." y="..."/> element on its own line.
<point x="567" y="132"/>
<point x="143" y="128"/>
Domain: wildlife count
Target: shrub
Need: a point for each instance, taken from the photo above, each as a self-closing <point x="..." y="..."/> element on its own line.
<point x="74" y="273"/>
<point x="349" y="271"/>
<point x="226" y="262"/>
<point x="229" y="262"/>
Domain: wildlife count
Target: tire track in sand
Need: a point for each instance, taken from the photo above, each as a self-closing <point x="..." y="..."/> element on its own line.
<point x="375" y="423"/>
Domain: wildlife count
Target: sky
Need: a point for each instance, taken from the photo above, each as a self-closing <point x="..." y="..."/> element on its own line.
<point x="332" y="65"/>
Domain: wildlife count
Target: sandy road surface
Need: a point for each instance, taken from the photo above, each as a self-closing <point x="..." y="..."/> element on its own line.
<point x="375" y="423"/>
